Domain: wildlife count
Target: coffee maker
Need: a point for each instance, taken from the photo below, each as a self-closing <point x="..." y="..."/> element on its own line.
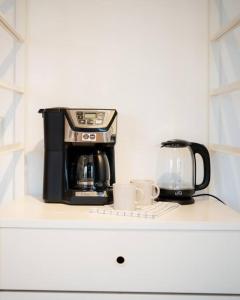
<point x="79" y="163"/>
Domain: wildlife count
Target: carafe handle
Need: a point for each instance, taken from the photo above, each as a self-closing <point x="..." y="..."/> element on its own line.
<point x="203" y="152"/>
<point x="102" y="171"/>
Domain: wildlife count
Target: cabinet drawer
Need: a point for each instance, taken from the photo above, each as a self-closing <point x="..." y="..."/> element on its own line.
<point x="126" y="261"/>
<point x="107" y="296"/>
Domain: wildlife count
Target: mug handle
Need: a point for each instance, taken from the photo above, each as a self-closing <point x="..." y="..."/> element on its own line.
<point x="157" y="191"/>
<point x="141" y="192"/>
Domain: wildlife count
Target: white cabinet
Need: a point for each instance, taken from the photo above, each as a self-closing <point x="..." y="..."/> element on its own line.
<point x="192" y="250"/>
<point x="86" y="260"/>
<point x="107" y="296"/>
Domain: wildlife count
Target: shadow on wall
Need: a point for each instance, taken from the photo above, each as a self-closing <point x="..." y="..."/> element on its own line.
<point x="9" y="134"/>
<point x="10" y="59"/>
<point x="229" y="48"/>
<point x="34" y="170"/>
<point x="8" y="177"/>
<point x="7" y="5"/>
<point x="9" y="117"/>
<point x="226" y="167"/>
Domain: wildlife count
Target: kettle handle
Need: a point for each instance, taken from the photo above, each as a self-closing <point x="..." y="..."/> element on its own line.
<point x="203" y="152"/>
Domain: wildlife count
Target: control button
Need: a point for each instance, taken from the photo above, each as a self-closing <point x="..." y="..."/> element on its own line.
<point x="75" y="136"/>
<point x="85" y="136"/>
<point x="98" y="122"/>
<point x="100" y="115"/>
<point x="80" y="117"/>
<point x="82" y="121"/>
<point x="93" y="136"/>
<point x="90" y="122"/>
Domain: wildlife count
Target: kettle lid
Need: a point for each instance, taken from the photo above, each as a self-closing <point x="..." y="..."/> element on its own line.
<point x="176" y="143"/>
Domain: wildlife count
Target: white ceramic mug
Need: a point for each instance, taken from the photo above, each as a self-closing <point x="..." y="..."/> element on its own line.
<point x="150" y="189"/>
<point x="126" y="195"/>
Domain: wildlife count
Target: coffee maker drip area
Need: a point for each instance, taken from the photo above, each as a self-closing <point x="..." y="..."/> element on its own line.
<point x="89" y="174"/>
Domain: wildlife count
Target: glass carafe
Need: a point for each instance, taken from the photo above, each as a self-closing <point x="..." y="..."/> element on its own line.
<point x="85" y="173"/>
<point x="93" y="172"/>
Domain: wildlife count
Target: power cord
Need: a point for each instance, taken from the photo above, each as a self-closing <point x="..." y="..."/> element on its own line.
<point x="198" y="195"/>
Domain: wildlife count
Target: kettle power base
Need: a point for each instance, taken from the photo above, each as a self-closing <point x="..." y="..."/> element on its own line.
<point x="182" y="201"/>
<point x="183" y="197"/>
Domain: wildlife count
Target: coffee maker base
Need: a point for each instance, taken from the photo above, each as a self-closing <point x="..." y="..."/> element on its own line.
<point x="75" y="200"/>
<point x="89" y="198"/>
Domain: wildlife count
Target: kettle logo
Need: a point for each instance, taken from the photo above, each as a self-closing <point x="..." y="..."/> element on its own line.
<point x="178" y="193"/>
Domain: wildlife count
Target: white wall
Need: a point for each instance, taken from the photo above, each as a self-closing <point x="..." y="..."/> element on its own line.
<point x="146" y="58"/>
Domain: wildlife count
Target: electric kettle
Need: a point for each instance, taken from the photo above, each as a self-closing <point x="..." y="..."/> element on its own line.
<point x="177" y="177"/>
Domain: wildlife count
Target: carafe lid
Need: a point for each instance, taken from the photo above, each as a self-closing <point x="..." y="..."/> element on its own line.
<point x="175" y="143"/>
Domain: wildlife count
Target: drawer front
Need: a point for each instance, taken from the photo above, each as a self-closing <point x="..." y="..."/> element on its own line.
<point x="126" y="261"/>
<point x="106" y="296"/>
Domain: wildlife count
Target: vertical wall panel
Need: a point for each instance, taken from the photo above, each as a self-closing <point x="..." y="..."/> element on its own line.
<point x="12" y="105"/>
<point x="225" y="109"/>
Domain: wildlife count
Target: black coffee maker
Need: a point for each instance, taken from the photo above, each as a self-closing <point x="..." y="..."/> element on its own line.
<point x="79" y="164"/>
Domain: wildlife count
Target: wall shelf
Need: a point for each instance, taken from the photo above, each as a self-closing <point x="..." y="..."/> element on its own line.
<point x="225" y="149"/>
<point x="226" y="89"/>
<point x="10" y="29"/>
<point x="11" y="87"/>
<point x="11" y="148"/>
<point x="225" y="29"/>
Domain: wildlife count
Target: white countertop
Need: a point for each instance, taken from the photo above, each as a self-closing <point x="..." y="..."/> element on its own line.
<point x="204" y="214"/>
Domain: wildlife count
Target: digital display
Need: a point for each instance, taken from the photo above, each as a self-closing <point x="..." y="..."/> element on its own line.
<point x="91" y="116"/>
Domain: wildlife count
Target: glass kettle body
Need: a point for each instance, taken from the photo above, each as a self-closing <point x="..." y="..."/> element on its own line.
<point x="177" y="177"/>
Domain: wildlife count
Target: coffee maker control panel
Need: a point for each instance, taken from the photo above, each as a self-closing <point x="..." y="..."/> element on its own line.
<point x="90" y="125"/>
<point x="90" y="118"/>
